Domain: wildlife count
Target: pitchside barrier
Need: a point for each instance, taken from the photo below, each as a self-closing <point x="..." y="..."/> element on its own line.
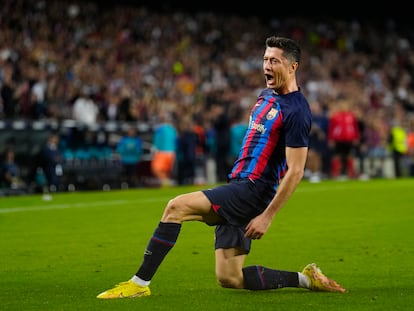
<point x="89" y="157"/>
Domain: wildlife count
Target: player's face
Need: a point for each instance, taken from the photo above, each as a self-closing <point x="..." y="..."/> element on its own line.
<point x="275" y="68"/>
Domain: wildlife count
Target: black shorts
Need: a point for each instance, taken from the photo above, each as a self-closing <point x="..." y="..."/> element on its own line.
<point x="237" y="203"/>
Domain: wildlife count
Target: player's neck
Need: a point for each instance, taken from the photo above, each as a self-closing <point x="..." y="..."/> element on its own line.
<point x="288" y="88"/>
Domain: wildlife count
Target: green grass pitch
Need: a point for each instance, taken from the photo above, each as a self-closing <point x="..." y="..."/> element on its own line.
<point x="59" y="254"/>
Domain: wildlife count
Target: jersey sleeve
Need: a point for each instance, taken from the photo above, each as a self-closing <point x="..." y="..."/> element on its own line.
<point x="298" y="124"/>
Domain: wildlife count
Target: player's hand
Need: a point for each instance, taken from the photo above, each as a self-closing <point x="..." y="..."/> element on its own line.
<point x="257" y="227"/>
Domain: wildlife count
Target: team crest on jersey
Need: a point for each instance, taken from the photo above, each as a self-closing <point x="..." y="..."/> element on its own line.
<point x="271" y="114"/>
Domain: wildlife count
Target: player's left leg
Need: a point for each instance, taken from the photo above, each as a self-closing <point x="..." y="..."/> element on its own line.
<point x="229" y="264"/>
<point x="232" y="248"/>
<point x="230" y="273"/>
<point x="311" y="277"/>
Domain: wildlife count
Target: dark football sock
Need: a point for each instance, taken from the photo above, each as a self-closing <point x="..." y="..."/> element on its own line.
<point x="162" y="241"/>
<point x="260" y="278"/>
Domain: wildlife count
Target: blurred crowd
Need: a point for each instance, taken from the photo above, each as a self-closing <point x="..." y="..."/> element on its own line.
<point x="92" y="63"/>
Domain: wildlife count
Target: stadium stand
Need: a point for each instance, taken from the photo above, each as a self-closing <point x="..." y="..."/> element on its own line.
<point x="134" y="60"/>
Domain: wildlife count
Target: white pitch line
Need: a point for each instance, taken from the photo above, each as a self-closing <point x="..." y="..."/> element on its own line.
<point x="76" y="205"/>
<point x="317" y="188"/>
<point x="117" y="202"/>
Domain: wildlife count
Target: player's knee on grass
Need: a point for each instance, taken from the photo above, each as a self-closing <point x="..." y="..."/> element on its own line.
<point x="227" y="281"/>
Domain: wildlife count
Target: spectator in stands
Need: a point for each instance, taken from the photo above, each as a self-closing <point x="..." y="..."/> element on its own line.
<point x="130" y="149"/>
<point x="85" y="110"/>
<point x="38" y="106"/>
<point x="7" y="91"/>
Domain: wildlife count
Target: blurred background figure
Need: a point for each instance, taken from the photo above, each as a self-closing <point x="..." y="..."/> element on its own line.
<point x="343" y="137"/>
<point x="318" y="153"/>
<point x="201" y="151"/>
<point x="361" y="147"/>
<point x="130" y="149"/>
<point x="376" y="140"/>
<point x="238" y="128"/>
<point x="164" y="145"/>
<point x="398" y="141"/>
<point x="85" y="110"/>
<point x="51" y="162"/>
<point x="410" y="145"/>
<point x="10" y="179"/>
<point x="221" y="125"/>
<point x="186" y="152"/>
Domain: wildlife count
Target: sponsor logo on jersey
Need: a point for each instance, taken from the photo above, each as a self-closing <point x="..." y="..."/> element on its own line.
<point x="258" y="127"/>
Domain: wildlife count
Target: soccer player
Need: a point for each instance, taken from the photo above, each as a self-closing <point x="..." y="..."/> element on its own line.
<point x="269" y="168"/>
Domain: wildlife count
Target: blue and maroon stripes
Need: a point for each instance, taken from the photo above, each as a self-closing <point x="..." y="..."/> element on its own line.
<point x="162" y="241"/>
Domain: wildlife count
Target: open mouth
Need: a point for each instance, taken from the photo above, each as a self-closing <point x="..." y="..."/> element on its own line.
<point x="269" y="78"/>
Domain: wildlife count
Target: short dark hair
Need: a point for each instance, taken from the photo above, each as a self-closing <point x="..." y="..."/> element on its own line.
<point x="291" y="49"/>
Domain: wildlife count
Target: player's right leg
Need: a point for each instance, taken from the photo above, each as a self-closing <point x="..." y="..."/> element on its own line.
<point x="186" y="207"/>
